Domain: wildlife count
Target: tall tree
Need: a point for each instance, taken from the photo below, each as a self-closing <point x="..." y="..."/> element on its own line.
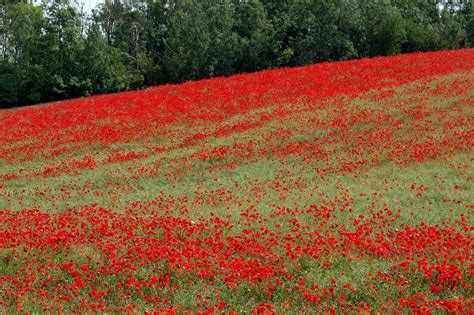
<point x="157" y="18"/>
<point x="61" y="47"/>
<point x="255" y="33"/>
<point x="220" y="17"/>
<point x="124" y="25"/>
<point x="55" y="50"/>
<point x="188" y="43"/>
<point x="20" y="29"/>
<point x="102" y="66"/>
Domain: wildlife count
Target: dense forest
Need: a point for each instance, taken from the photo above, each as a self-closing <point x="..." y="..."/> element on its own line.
<point x="57" y="50"/>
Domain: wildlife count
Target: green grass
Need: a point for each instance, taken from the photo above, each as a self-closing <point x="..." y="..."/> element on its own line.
<point x="277" y="190"/>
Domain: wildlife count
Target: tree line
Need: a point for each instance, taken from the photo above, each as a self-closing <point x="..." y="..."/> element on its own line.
<point x="56" y="50"/>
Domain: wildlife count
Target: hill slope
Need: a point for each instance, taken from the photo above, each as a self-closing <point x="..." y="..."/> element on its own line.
<point x="340" y="186"/>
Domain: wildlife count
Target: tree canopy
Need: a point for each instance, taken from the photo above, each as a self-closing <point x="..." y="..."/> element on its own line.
<point x="55" y="50"/>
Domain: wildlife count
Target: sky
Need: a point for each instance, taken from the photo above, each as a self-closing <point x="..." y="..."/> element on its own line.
<point x="90" y="4"/>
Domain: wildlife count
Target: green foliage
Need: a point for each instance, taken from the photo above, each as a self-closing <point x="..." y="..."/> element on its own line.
<point x="254" y="36"/>
<point x="7" y="83"/>
<point x="20" y="29"/>
<point x="224" y="40"/>
<point x="102" y="65"/>
<point x="187" y="44"/>
<point x="420" y="39"/>
<point x="54" y="51"/>
<point x="389" y="34"/>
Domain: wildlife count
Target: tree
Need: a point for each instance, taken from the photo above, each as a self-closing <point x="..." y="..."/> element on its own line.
<point x="389" y="33"/>
<point x="157" y="16"/>
<point x="60" y="51"/>
<point x="255" y="33"/>
<point x="20" y="29"/>
<point x="102" y="66"/>
<point x="468" y="21"/>
<point x="187" y="44"/>
<point x="224" y="41"/>
<point x="56" y="51"/>
<point x="123" y="24"/>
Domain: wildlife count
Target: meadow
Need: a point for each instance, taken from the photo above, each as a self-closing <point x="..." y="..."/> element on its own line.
<point x="342" y="187"/>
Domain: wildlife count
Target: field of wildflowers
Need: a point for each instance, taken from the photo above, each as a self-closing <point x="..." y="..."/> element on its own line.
<point x="338" y="187"/>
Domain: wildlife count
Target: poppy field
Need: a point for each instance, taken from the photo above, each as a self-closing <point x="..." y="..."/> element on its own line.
<point x="341" y="187"/>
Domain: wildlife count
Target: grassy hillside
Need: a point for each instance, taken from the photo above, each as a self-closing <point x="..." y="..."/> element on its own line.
<point x="338" y="187"/>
